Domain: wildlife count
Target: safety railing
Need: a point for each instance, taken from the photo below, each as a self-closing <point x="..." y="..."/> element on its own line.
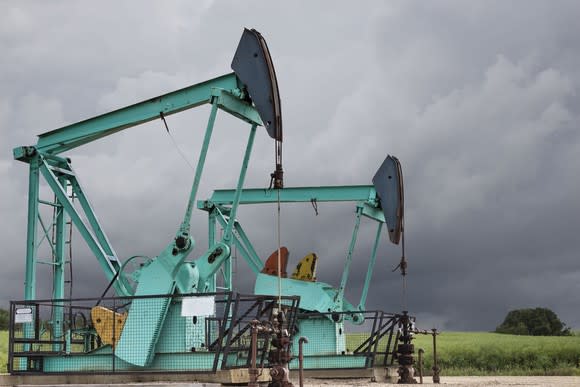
<point x="347" y="340"/>
<point x="196" y="333"/>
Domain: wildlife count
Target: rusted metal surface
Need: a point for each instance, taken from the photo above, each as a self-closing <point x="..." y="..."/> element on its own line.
<point x="301" y="342"/>
<point x="271" y="265"/>
<point x="436" y="369"/>
<point x="421" y="352"/>
<point x="405" y="350"/>
<point x="280" y="354"/>
<point x="253" y="369"/>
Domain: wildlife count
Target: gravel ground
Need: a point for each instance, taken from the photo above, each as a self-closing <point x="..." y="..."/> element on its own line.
<point x="460" y="381"/>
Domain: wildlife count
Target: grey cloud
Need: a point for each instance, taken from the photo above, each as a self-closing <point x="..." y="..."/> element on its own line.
<point x="478" y="100"/>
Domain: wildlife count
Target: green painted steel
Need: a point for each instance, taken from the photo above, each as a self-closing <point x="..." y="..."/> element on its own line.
<point x="244" y="247"/>
<point x="346" y="269"/>
<point x="208" y="266"/>
<point x="238" y="194"/>
<point x="318" y="362"/>
<point x="80" y="133"/>
<point x="326" y="337"/>
<point x="58" y="272"/>
<point x="232" y="104"/>
<point x="371" y="266"/>
<point x="256" y="265"/>
<point x="211" y="242"/>
<point x="146" y="316"/>
<point x="109" y="264"/>
<point x="185" y="225"/>
<point x="314" y="296"/>
<point x="351" y="193"/>
<point x="33" y="186"/>
<point x="105" y="362"/>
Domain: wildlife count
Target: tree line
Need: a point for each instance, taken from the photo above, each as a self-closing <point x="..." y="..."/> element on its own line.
<point x="533" y="322"/>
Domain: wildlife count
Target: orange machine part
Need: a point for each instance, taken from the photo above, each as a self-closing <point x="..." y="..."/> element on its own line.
<point x="271" y="265"/>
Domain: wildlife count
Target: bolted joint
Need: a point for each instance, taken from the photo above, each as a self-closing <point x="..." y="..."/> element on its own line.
<point x="216" y="253"/>
<point x="182" y="242"/>
<point x="24" y="153"/>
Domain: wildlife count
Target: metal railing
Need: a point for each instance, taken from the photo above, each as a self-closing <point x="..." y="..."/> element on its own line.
<point x="86" y="335"/>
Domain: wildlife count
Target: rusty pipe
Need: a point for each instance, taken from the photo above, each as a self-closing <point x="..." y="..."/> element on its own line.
<point x="436" y="370"/>
<point x="253" y="370"/>
<point x="301" y="341"/>
<point x="421" y="352"/>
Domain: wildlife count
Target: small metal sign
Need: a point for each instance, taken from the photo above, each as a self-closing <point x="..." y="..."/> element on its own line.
<point x="198" y="306"/>
<point x="23" y="315"/>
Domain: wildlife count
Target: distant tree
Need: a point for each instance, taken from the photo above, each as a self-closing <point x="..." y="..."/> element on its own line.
<point x="533" y="322"/>
<point x="4" y="319"/>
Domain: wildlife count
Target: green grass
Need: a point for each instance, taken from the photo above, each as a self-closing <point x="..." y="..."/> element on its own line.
<point x="3" y="351"/>
<point x="482" y="353"/>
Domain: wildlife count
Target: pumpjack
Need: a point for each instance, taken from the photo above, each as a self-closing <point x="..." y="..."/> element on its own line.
<point x="151" y="333"/>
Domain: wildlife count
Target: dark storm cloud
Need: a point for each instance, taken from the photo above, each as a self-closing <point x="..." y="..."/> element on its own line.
<point x="478" y="100"/>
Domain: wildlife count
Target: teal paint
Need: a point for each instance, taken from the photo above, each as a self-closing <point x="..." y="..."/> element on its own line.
<point x="363" y="297"/>
<point x="211" y="242"/>
<point x="244" y="248"/>
<point x="326" y="347"/>
<point x="33" y="185"/>
<point x="109" y="266"/>
<point x="325" y="337"/>
<point x="185" y="225"/>
<point x="145" y="318"/>
<point x="331" y="362"/>
<point x="103" y="362"/>
<point x="237" y="107"/>
<point x="238" y="193"/>
<point x="353" y="193"/>
<point x="83" y="132"/>
<point x="210" y="262"/>
<point x="256" y="263"/>
<point x="58" y="272"/>
<point x="30" y="275"/>
<point x="346" y="270"/>
<point x="314" y="296"/>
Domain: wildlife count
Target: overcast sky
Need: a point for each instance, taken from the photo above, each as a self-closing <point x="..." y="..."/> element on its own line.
<point x="479" y="101"/>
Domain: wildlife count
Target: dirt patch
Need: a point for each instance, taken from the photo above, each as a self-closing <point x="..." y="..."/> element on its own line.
<point x="459" y="381"/>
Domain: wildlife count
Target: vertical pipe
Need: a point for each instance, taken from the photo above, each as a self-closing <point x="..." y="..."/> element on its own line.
<point x="199" y="168"/>
<point x="301" y="341"/>
<point x="253" y="371"/>
<point x="421" y="352"/>
<point x="363" y="297"/>
<point x="436" y="378"/>
<point x="345" y="272"/>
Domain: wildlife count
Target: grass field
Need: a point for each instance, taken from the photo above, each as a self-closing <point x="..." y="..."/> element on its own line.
<point x="3" y="351"/>
<point x="477" y="353"/>
<point x="481" y="353"/>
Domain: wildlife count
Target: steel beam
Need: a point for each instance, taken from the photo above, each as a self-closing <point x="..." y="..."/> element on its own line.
<point x="346" y="271"/>
<point x="370" y="268"/>
<point x="33" y="186"/>
<point x="351" y="193"/>
<point x="72" y="136"/>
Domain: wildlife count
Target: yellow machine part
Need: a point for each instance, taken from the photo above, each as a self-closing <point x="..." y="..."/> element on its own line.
<point x="306" y="268"/>
<point x="104" y="320"/>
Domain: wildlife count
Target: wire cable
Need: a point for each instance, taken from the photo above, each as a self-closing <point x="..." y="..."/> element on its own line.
<point x="181" y="153"/>
<point x="279" y="255"/>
